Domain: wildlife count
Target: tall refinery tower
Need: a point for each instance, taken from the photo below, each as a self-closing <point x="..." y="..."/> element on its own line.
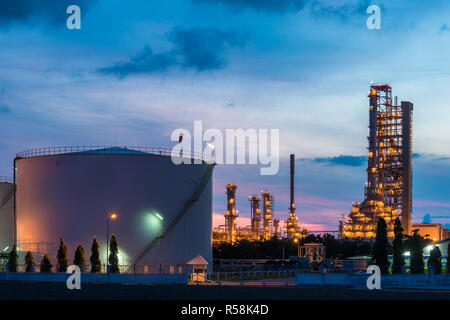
<point x="388" y="191"/>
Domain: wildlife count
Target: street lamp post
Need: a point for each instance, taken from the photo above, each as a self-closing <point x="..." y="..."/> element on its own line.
<point x="112" y="216"/>
<point x="162" y="223"/>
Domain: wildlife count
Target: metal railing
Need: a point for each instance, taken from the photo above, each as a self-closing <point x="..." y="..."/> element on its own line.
<point x="130" y="269"/>
<point x="64" y="150"/>
<point x="251" y="275"/>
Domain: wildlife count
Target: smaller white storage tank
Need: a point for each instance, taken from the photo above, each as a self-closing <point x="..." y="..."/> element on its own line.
<point x="6" y="214"/>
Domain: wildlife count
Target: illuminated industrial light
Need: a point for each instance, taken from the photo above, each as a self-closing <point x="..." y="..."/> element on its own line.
<point x="407" y="253"/>
<point x="429" y="248"/>
<point x="159" y="216"/>
<point x="113" y="216"/>
<point x="6" y="249"/>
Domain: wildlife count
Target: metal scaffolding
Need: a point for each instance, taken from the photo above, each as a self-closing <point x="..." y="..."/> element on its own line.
<point x="388" y="186"/>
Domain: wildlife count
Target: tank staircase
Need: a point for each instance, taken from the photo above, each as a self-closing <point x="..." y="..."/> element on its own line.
<point x="6" y="198"/>
<point x="199" y="190"/>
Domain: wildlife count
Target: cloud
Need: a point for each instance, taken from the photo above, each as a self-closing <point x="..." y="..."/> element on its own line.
<point x="426" y="218"/>
<point x="342" y="160"/>
<point x="198" y="49"/>
<point x="444" y="28"/>
<point x="144" y="62"/>
<point x="340" y="10"/>
<point x="5" y="109"/>
<point x="51" y="11"/>
<point x="273" y="6"/>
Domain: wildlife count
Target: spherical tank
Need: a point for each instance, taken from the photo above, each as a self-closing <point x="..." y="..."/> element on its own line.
<point x="160" y="212"/>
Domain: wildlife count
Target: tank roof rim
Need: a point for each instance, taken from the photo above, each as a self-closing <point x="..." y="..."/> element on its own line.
<point x="102" y="150"/>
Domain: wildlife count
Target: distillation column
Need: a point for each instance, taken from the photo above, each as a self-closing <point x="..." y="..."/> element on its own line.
<point x="267" y="213"/>
<point x="231" y="215"/>
<point x="256" y="217"/>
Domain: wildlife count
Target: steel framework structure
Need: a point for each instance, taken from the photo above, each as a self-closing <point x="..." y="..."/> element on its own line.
<point x="388" y="186"/>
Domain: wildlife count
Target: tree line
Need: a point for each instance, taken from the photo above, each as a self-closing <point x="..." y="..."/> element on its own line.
<point x="377" y="250"/>
<point x="403" y="243"/>
<point x="62" y="260"/>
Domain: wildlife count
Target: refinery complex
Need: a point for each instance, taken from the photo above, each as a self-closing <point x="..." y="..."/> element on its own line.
<point x="388" y="190"/>
<point x="165" y="210"/>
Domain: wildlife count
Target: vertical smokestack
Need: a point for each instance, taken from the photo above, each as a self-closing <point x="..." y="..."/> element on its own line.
<point x="292" y="182"/>
<point x="406" y="213"/>
<point x="291" y="222"/>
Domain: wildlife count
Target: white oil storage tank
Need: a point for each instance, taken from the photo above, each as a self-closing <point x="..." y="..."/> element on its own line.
<point x="163" y="211"/>
<point x="6" y="214"/>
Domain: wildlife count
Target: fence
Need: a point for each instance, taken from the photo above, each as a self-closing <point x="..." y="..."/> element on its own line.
<point x="123" y="269"/>
<point x="250" y="275"/>
<point x="416" y="281"/>
<point x="142" y="274"/>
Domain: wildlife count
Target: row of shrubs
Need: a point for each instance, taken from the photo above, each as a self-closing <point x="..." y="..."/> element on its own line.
<point x="46" y="266"/>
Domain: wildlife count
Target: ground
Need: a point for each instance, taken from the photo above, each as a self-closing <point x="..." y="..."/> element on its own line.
<point x="280" y="290"/>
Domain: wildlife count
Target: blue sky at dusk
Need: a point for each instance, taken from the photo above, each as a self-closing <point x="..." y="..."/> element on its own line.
<point x="137" y="70"/>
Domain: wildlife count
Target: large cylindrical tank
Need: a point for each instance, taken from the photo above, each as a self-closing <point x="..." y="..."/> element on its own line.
<point x="6" y="215"/>
<point x="70" y="192"/>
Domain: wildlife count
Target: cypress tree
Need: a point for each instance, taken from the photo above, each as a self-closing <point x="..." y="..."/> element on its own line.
<point x="381" y="246"/>
<point x="62" y="256"/>
<point x="113" y="255"/>
<point x="435" y="260"/>
<point x="29" y="262"/>
<point x="46" y="266"/>
<point x="96" y="264"/>
<point x="12" y="260"/>
<point x="417" y="265"/>
<point x="398" y="259"/>
<point x="79" y="257"/>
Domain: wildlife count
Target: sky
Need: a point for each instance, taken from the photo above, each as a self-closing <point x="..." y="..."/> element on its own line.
<point x="137" y="70"/>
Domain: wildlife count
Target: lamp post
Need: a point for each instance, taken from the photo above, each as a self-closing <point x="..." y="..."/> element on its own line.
<point x="298" y="251"/>
<point x="298" y="246"/>
<point x="157" y="215"/>
<point x="112" y="216"/>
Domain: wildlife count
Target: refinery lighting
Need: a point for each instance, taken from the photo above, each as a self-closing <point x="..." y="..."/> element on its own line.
<point x="113" y="216"/>
<point x="407" y="253"/>
<point x="5" y="249"/>
<point x="159" y="216"/>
